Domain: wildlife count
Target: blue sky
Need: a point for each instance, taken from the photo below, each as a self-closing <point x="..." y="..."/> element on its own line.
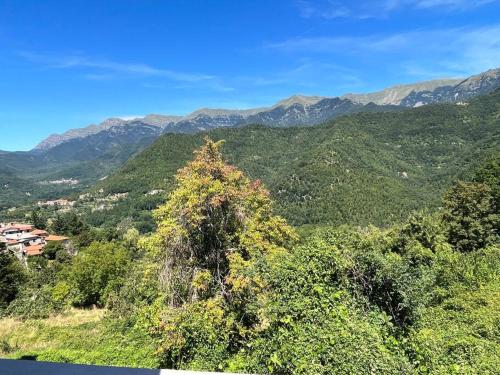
<point x="67" y="64"/>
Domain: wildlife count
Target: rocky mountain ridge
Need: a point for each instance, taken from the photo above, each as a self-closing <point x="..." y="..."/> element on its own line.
<point x="298" y="110"/>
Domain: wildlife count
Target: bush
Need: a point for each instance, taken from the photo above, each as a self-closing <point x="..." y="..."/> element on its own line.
<point x="96" y="271"/>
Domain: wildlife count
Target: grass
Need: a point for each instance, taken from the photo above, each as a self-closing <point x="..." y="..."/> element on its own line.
<point x="77" y="336"/>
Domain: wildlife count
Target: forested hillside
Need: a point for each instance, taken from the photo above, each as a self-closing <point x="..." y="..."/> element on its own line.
<point x="25" y="176"/>
<point x="360" y="169"/>
<point x="225" y="284"/>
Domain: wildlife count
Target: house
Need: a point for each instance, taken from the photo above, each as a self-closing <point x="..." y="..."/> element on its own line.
<point x="40" y="232"/>
<point x="56" y="238"/>
<point x="27" y="238"/>
<point x="33" y="250"/>
<point x="57" y="203"/>
<point x="18" y="242"/>
<point x="12" y="228"/>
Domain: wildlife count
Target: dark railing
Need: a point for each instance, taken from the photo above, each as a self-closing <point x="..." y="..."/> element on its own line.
<point x="12" y="367"/>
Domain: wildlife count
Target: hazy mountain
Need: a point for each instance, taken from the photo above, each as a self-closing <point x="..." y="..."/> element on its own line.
<point x="27" y="176"/>
<point x="298" y="109"/>
<point x="53" y="140"/>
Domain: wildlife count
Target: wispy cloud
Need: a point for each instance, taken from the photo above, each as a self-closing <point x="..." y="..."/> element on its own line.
<point x="328" y="10"/>
<point x="331" y="9"/>
<point x="450" y="4"/>
<point x="453" y="51"/>
<point x="102" y="69"/>
<point x="307" y="75"/>
<point x="344" y="44"/>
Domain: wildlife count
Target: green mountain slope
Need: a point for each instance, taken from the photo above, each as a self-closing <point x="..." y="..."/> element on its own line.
<point x="85" y="160"/>
<point x="359" y="169"/>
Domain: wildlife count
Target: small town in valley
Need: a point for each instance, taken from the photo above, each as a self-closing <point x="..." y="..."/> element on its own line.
<point x="25" y="241"/>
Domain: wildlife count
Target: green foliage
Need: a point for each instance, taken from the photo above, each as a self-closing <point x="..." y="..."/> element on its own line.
<point x="39" y="218"/>
<point x="489" y="174"/>
<point x="35" y="299"/>
<point x="68" y="224"/>
<point x="471" y="216"/>
<point x="52" y="249"/>
<point x="96" y="272"/>
<point x="460" y="335"/>
<point x="12" y="276"/>
<point x="313" y="325"/>
<point x="197" y="336"/>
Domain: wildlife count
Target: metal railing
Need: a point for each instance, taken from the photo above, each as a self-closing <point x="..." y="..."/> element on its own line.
<point x="13" y="367"/>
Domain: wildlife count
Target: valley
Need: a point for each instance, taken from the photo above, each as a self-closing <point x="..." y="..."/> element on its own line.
<point x="263" y="242"/>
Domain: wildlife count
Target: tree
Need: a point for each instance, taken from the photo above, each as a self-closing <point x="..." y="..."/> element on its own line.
<point x="52" y="248"/>
<point x="38" y="218"/>
<point x="489" y="174"/>
<point x="68" y="224"/>
<point x="213" y="226"/>
<point x="470" y="215"/>
<point x="215" y="232"/>
<point x="12" y="276"/>
<point x="97" y="271"/>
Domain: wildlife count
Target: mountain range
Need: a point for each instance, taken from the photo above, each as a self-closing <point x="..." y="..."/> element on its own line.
<point x="88" y="154"/>
<point x="297" y="110"/>
<point x="359" y="169"/>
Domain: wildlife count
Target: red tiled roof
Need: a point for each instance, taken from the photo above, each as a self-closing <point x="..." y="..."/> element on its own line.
<point x="39" y="232"/>
<point x="17" y="226"/>
<point x="34" y="250"/>
<point x="23" y="226"/>
<point x="53" y="237"/>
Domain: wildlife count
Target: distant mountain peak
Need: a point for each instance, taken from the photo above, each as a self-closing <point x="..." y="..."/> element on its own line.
<point x="215" y="112"/>
<point x="299" y="99"/>
<point x="476" y="81"/>
<point x="56" y="139"/>
<point x="394" y="95"/>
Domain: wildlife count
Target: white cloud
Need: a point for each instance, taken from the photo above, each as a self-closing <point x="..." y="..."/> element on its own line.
<point x="452" y="51"/>
<point x="311" y="76"/>
<point x="450" y="4"/>
<point x="330" y="9"/>
<point x="108" y="69"/>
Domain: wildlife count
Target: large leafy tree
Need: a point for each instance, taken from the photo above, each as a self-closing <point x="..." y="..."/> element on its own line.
<point x="214" y="224"/>
<point x="215" y="231"/>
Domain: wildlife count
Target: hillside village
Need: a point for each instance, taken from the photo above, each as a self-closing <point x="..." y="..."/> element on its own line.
<point x="25" y="241"/>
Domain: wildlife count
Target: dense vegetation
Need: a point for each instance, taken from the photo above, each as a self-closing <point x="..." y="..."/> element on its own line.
<point x="368" y="168"/>
<point x="226" y="284"/>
